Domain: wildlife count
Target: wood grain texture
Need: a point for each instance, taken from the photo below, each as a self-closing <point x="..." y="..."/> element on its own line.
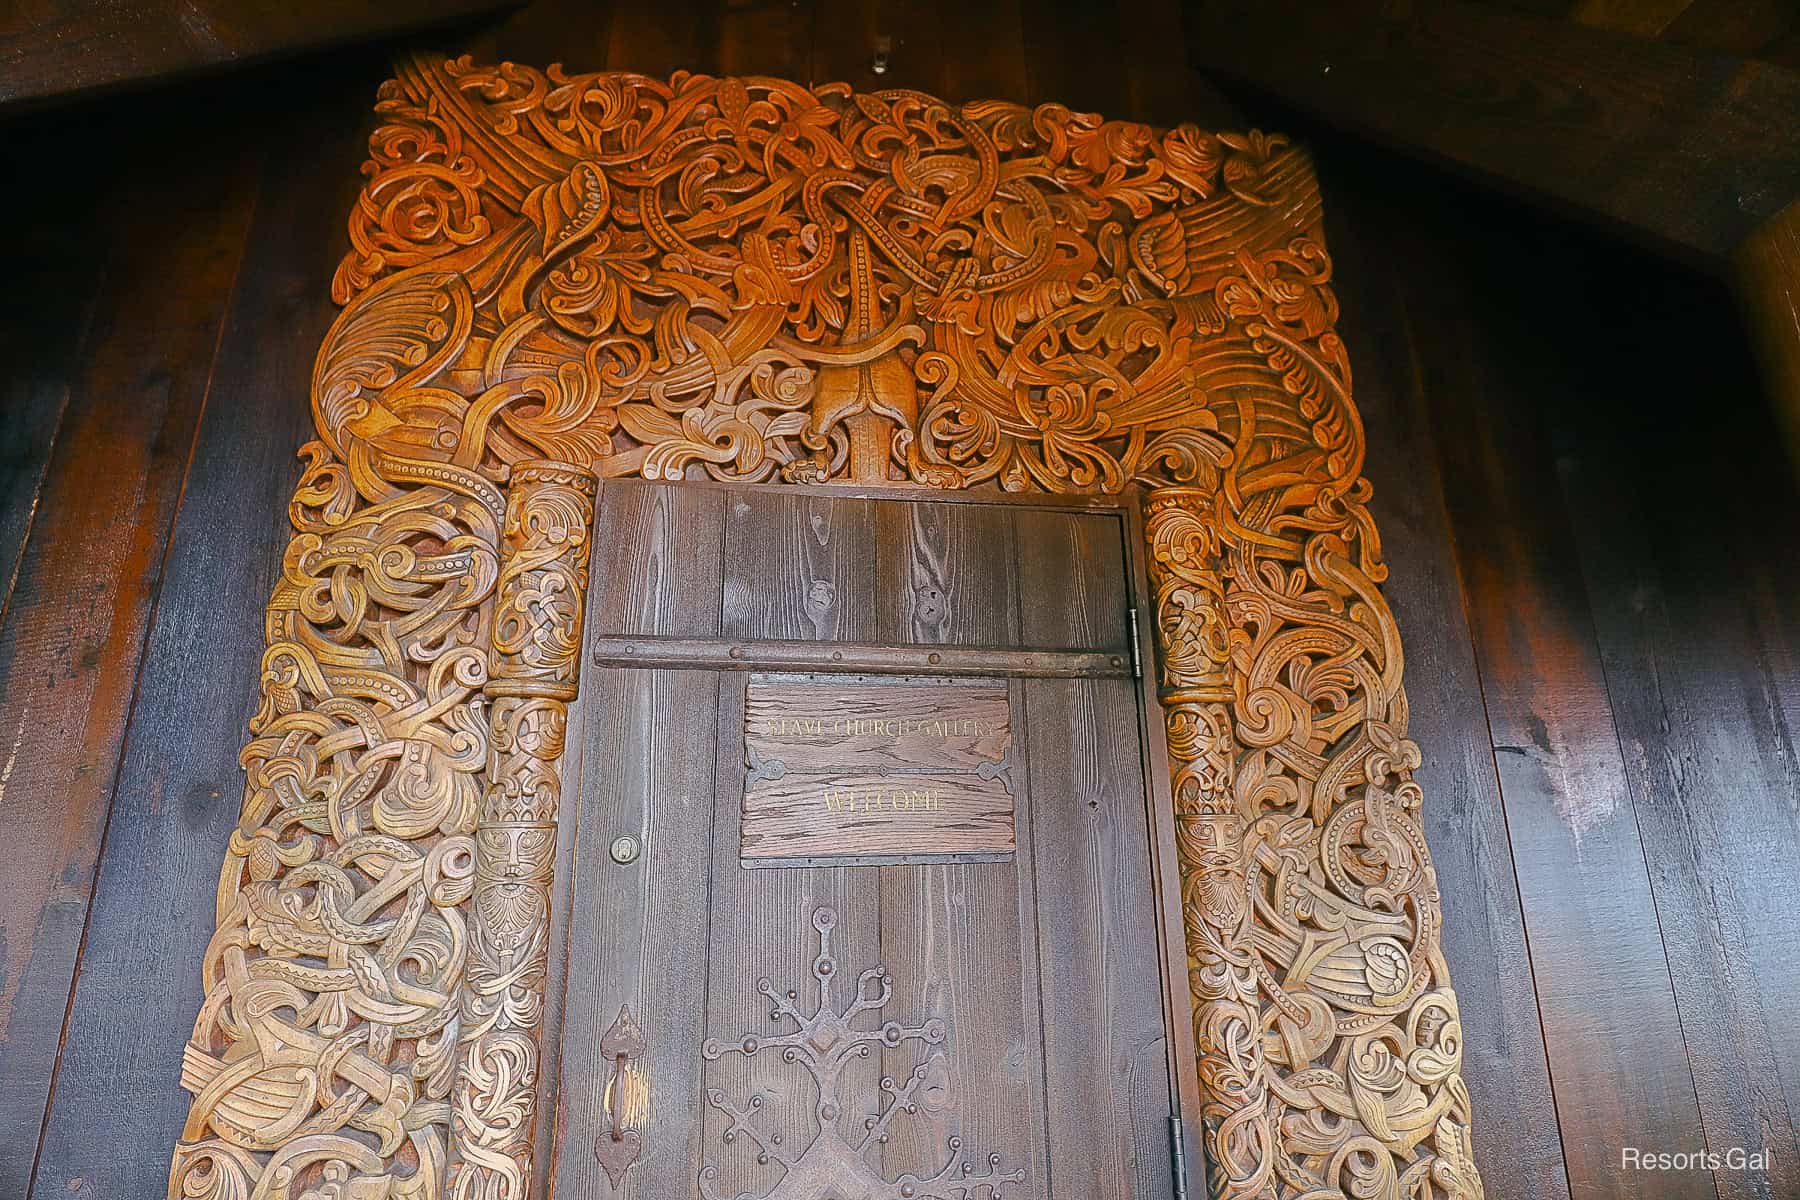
<point x="858" y="818"/>
<point x="821" y="723"/>
<point x="774" y="654"/>
<point x="647" y="772"/>
<point x="43" y="323"/>
<point x="1703" y="685"/>
<point x="1505" y="1061"/>
<point x="1104" y="1046"/>
<point x="1604" y="990"/>
<point x="1730" y="953"/>
<point x="81" y="608"/>
<point x="1691" y="152"/>
<point x="958" y="936"/>
<point x="156" y="883"/>
<point x="798" y="567"/>
<point x="761" y="930"/>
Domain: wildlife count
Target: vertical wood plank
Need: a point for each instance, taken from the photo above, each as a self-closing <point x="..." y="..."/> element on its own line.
<point x="85" y="591"/>
<point x="44" y="317"/>
<point x="638" y="931"/>
<point x="1072" y="581"/>
<point x="55" y="275"/>
<point x="954" y="936"/>
<point x="1702" y="681"/>
<point x="1483" y="935"/>
<point x="657" y="40"/>
<point x="176" y="797"/>
<point x="947" y="574"/>
<point x="1611" y="1025"/>
<point x="767" y="37"/>
<point x="798" y="566"/>
<point x="1160" y="85"/>
<point x="762" y="929"/>
<point x="1105" y="1054"/>
<point x="1064" y="39"/>
<point x="846" y="35"/>
<point x="646" y="741"/>
<point x="658" y="560"/>
<point x="1766" y="269"/>
<point x="982" y="53"/>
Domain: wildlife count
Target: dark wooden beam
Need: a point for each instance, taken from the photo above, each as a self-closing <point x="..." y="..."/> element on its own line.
<point x="58" y="50"/>
<point x="1692" y="151"/>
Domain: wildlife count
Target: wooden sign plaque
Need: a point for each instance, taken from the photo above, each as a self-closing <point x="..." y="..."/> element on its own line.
<point x="858" y="771"/>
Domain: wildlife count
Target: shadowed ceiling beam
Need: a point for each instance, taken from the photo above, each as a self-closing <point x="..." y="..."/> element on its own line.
<point x="1689" y="150"/>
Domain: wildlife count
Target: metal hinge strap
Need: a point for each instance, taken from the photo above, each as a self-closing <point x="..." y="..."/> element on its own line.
<point x="1137" y="646"/>
<point x="1178" y="1156"/>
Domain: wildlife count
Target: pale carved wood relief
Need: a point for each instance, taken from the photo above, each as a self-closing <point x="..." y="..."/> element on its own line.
<point x="558" y="277"/>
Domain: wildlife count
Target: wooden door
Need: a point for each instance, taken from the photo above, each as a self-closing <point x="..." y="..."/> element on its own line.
<point x="956" y="1011"/>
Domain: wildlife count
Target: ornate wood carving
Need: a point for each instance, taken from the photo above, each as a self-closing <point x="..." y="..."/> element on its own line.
<point x="556" y="276"/>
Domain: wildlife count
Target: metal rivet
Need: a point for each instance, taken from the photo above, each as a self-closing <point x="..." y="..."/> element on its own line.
<point x="624" y="849"/>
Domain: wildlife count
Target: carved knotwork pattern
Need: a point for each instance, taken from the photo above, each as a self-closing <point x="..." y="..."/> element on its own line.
<point x="556" y="276"/>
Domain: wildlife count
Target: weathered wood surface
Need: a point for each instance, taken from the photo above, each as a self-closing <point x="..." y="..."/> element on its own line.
<point x="171" y="805"/>
<point x="852" y="818"/>
<point x="1639" y="686"/>
<point x="1044" y="1001"/>
<point x="1105" y="1048"/>
<point x="1708" y="723"/>
<point x="861" y="771"/>
<point x="1569" y="807"/>
<point x="765" y="654"/>
<point x="649" y="761"/>
<point x="1485" y="940"/>
<point x="81" y="46"/>
<point x="823" y="723"/>
<point x="1689" y="150"/>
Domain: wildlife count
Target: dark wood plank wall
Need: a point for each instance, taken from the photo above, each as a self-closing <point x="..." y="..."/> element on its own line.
<point x="1592" y="536"/>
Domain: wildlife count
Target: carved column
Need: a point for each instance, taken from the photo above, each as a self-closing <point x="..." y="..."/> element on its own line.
<point x="1195" y="686"/>
<point x="533" y="672"/>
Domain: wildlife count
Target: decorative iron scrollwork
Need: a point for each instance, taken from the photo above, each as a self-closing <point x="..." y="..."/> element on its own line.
<point x="824" y="1043"/>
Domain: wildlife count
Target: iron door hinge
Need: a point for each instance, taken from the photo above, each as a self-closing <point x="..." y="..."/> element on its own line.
<point x="1137" y="646"/>
<point x="1178" y="1156"/>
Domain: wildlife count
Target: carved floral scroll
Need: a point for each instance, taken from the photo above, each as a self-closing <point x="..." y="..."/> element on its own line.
<point x="556" y="277"/>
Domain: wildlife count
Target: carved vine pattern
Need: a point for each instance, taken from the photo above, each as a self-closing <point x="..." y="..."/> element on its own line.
<point x="556" y="277"/>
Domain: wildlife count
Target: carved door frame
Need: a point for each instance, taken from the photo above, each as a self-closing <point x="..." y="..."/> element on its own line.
<point x="560" y="277"/>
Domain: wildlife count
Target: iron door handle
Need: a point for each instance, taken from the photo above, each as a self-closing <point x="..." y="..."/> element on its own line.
<point x="626" y="1097"/>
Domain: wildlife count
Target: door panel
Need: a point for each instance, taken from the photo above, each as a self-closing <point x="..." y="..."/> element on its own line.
<point x="1024" y="1009"/>
<point x="948" y="574"/>
<point x="1104" y="1045"/>
<point x="639" y="934"/>
<point x="799" y="565"/>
